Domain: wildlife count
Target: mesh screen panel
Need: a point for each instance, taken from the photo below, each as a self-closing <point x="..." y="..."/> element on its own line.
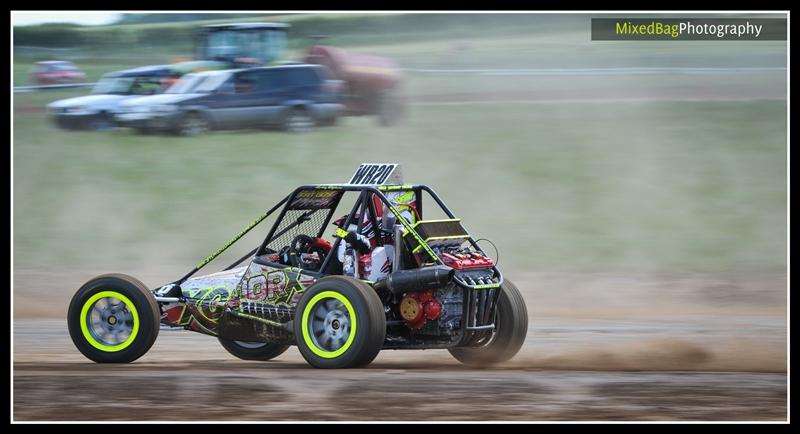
<point x="296" y="222"/>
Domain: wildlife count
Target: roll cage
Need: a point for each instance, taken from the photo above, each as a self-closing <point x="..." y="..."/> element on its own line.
<point x="325" y="198"/>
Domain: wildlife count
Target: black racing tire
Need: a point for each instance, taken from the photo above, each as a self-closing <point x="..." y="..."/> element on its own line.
<point x="298" y="120"/>
<point x="511" y="330"/>
<point x="192" y="124"/>
<point x="253" y="350"/>
<point x="92" y="316"/>
<point x="332" y="334"/>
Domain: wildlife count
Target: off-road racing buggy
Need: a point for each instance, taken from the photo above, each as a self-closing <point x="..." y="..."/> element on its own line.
<point x="389" y="280"/>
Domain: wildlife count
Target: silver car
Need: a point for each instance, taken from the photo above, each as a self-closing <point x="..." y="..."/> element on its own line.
<point x="96" y="111"/>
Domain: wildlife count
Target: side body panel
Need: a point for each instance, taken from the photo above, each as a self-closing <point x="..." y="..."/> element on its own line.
<point x="206" y="298"/>
<point x="253" y="303"/>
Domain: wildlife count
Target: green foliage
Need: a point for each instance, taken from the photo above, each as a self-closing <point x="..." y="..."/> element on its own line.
<point x="49" y="35"/>
<point x="180" y="32"/>
<point x="169" y="18"/>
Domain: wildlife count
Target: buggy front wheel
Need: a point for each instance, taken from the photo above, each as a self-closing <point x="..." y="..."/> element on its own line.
<point x="113" y="318"/>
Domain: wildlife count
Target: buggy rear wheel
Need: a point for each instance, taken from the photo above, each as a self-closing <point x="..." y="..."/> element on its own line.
<point x="511" y="327"/>
<point x="113" y="318"/>
<point x="339" y="323"/>
<point x="253" y="350"/>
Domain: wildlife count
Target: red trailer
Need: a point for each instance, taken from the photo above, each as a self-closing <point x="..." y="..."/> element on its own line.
<point x="372" y="83"/>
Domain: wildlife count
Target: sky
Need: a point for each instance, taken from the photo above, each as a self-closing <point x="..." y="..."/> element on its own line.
<point x="78" y="17"/>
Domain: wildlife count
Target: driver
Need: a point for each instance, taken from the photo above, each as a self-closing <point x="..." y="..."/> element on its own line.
<point x="342" y="263"/>
<point x="366" y="242"/>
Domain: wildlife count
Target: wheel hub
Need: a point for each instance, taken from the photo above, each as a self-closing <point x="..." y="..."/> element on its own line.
<point x="330" y="325"/>
<point x="109" y="321"/>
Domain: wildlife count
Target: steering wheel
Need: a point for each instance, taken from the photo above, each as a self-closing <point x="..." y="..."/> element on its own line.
<point x="304" y="244"/>
<point x="300" y="244"/>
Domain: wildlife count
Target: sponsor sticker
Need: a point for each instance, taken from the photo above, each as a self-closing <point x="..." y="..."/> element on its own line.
<point x="315" y="199"/>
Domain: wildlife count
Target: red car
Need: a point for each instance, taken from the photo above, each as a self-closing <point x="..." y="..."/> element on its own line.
<point x="56" y="72"/>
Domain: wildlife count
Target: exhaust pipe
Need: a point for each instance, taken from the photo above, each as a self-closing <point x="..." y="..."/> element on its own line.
<point x="401" y="282"/>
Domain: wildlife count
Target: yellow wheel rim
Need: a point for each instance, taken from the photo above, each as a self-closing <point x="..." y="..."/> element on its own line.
<point x="329" y="324"/>
<point x="93" y="316"/>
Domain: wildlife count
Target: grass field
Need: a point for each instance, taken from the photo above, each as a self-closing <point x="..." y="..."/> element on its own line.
<point x="662" y="186"/>
<point x="653" y="185"/>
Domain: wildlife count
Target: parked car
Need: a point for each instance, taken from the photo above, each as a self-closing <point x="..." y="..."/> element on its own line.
<point x="56" y="72"/>
<point x="96" y="111"/>
<point x="295" y="97"/>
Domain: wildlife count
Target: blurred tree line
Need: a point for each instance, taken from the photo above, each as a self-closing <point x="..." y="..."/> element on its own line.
<point x="168" y="18"/>
<point x="179" y="29"/>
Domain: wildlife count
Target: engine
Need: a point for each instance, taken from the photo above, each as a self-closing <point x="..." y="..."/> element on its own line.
<point x="432" y="315"/>
<point x="427" y="304"/>
<point x="471" y="267"/>
<point x="461" y="258"/>
<point x="417" y="308"/>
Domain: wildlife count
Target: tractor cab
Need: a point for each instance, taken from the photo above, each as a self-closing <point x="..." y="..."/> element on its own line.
<point x="372" y="83"/>
<point x="244" y="44"/>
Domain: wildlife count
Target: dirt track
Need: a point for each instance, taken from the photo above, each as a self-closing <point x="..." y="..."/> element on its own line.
<point x="411" y="387"/>
<point x="601" y="347"/>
